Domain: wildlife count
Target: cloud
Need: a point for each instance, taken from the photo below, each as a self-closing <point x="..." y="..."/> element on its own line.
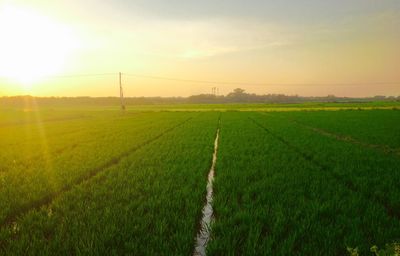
<point x="200" y="39"/>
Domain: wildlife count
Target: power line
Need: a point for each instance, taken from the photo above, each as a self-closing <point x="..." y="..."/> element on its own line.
<point x="80" y="75"/>
<point x="221" y="83"/>
<point x="258" y="84"/>
<point x="71" y="75"/>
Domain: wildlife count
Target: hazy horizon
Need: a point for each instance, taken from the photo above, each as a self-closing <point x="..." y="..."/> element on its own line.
<point x="44" y="44"/>
<point x="180" y="96"/>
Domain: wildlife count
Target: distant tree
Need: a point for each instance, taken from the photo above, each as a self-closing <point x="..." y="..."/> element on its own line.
<point x="202" y="98"/>
<point x="238" y="95"/>
<point x="239" y="91"/>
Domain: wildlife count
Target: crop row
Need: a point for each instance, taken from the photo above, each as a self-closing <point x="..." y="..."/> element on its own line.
<point x="29" y="185"/>
<point x="135" y="183"/>
<point x="30" y="143"/>
<point x="149" y="203"/>
<point x="271" y="200"/>
<point x="372" y="173"/>
<point x="376" y="127"/>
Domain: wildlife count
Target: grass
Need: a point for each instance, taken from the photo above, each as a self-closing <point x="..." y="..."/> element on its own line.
<point x="372" y="127"/>
<point x="98" y="181"/>
<point x="285" y="191"/>
<point x="43" y="164"/>
<point x="15" y="112"/>
<point x="147" y="203"/>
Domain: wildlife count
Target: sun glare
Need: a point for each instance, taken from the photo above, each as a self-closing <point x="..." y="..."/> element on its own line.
<point x="32" y="46"/>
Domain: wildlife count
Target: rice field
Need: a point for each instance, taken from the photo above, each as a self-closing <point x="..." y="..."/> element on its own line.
<point x="287" y="180"/>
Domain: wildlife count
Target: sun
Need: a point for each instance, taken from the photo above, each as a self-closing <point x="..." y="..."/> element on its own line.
<point x="32" y="46"/>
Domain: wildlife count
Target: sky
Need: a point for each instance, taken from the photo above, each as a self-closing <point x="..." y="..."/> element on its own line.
<point x="304" y="47"/>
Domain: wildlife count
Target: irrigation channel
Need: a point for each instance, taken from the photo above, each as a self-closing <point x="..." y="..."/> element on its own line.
<point x="204" y="232"/>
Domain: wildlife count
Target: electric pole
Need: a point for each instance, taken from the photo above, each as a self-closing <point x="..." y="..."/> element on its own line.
<point x="214" y="91"/>
<point x="121" y="92"/>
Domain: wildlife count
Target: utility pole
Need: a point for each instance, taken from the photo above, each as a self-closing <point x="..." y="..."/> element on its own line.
<point x="121" y="92"/>
<point x="213" y="91"/>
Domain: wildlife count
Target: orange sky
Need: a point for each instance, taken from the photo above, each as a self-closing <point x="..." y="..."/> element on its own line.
<point x="288" y="44"/>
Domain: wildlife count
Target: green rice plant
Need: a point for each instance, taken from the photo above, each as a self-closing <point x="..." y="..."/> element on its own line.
<point x="147" y="204"/>
<point x="273" y="198"/>
<point x="375" y="127"/>
<point x="29" y="183"/>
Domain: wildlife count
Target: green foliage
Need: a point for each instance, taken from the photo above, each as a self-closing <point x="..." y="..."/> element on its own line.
<point x="146" y="203"/>
<point x="392" y="249"/>
<point x="288" y="190"/>
<point x="352" y="251"/>
<point x="96" y="181"/>
<point x="44" y="156"/>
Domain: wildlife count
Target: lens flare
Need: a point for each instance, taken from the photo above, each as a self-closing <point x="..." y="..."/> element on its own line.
<point x="32" y="46"/>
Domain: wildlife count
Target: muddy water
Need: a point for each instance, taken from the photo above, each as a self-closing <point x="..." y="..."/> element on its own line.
<point x="204" y="232"/>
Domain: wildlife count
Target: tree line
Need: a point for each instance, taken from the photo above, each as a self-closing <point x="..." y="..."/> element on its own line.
<point x="238" y="95"/>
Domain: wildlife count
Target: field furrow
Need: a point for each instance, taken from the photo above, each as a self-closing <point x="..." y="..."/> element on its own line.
<point x="204" y="229"/>
<point x="347" y="138"/>
<point x="145" y="204"/>
<point x="340" y="178"/>
<point x="373" y="173"/>
<point x="12" y="216"/>
<point x="20" y="189"/>
<point x="150" y="183"/>
<point x="270" y="200"/>
<point x="374" y="127"/>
